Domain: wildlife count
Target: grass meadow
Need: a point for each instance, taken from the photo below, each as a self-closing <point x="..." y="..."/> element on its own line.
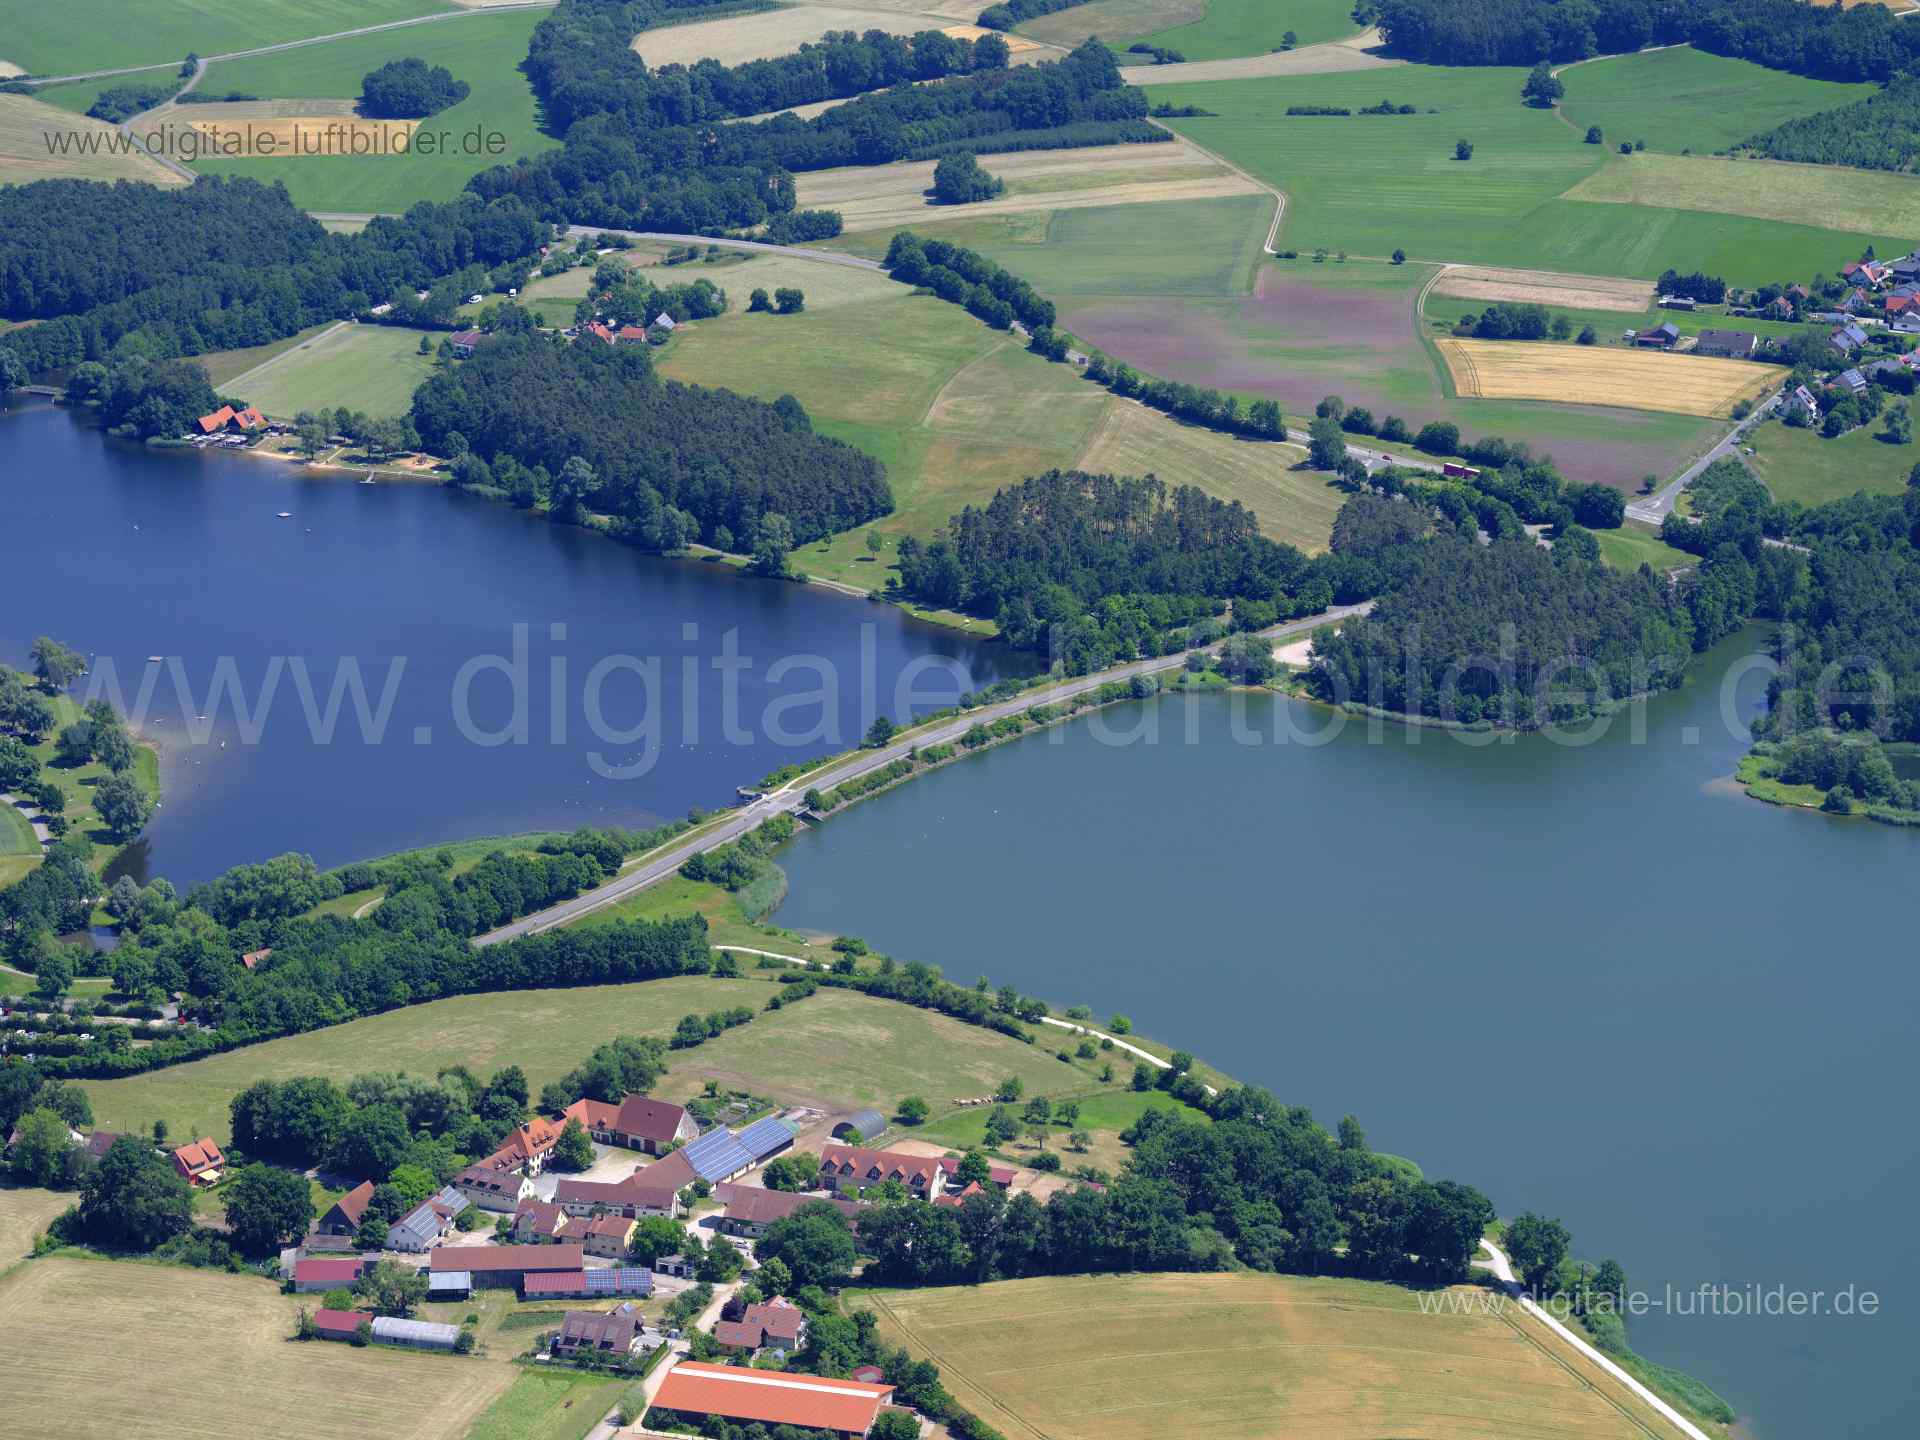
<point x="1856" y="200"/>
<point x="1117" y="22"/>
<point x="1804" y="466"/>
<point x="1232" y="28"/>
<point x="485" y="50"/>
<point x="374" y="368"/>
<point x="1371" y="184"/>
<point x="1258" y="1357"/>
<point x="98" y="34"/>
<point x="98" y="1348"/>
<point x="1682" y="99"/>
<point x="1632" y="546"/>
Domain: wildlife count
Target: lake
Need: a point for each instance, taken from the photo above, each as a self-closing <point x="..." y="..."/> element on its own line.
<point x="1598" y="982"/>
<point x="626" y="700"/>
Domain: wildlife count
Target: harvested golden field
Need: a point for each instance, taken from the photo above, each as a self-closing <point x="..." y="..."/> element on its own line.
<point x="1544" y="287"/>
<point x="740" y="38"/>
<point x="303" y="136"/>
<point x="1327" y="59"/>
<point x="100" y="1349"/>
<point x="1876" y="202"/>
<point x="1115" y="21"/>
<point x="1255" y="1357"/>
<point x="41" y="142"/>
<point x="880" y="197"/>
<point x="25" y="1213"/>
<point x="1587" y="375"/>
<point x="1296" y="506"/>
<point x="1017" y="45"/>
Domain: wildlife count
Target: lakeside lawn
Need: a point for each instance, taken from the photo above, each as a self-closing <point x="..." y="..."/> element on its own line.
<point x="1259" y="1357"/>
<point x="100" y="34"/>
<point x="484" y="49"/>
<point x="1369" y="184"/>
<point x="77" y="783"/>
<point x="1805" y="466"/>
<point x="373" y="368"/>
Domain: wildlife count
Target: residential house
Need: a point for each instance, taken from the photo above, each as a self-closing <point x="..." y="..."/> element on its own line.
<point x="1001" y="1175"/>
<point x="499" y="1191"/>
<point x="630" y="335"/>
<point x="1660" y="335"/>
<point x="340" y="1324"/>
<point x="848" y="1169"/>
<point x="526" y="1148"/>
<point x="1733" y="344"/>
<point x="428" y="1222"/>
<point x="321" y="1274"/>
<point x="777" y="1324"/>
<point x="414" y="1334"/>
<point x="249" y="419"/>
<point x="503" y="1265"/>
<point x="586" y="1332"/>
<point x="1804" y="398"/>
<point x="346" y="1213"/>
<point x="607" y="1236"/>
<point x="1778" y="308"/>
<point x="218" y="421"/>
<point x="200" y="1162"/>
<point x="539" y="1222"/>
<point x="99" y="1143"/>
<point x="637" y="1123"/>
<point x="253" y="958"/>
<point x="1907" y="267"/>
<point x="845" y="1409"/>
<point x="600" y="332"/>
<point x="751" y="1209"/>
<point x="1901" y="304"/>
<point x="1847" y="339"/>
<point x="465" y="342"/>
<point x="955" y="1199"/>
<point x="1853" y="380"/>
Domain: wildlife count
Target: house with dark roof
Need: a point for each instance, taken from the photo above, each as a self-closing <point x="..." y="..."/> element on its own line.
<point x="1659" y="336"/>
<point x="845" y="1409"/>
<point x="499" y="1191"/>
<point x="650" y="1190"/>
<point x="1733" y="344"/>
<point x="465" y="342"/>
<point x="539" y="1222"/>
<point x="340" y="1324"/>
<point x="99" y="1143"/>
<point x="584" y="1332"/>
<point x="636" y="1123"/>
<point x="200" y="1162"/>
<point x="751" y="1209"/>
<point x="1852" y="380"/>
<point x="848" y="1169"/>
<point x="1847" y="339"/>
<point x="346" y="1213"/>
<point x="504" y="1264"/>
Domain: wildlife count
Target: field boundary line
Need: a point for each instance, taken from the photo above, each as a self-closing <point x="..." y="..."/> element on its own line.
<point x="1554" y="1356"/>
<point x="1279" y="195"/>
<point x="253" y="372"/>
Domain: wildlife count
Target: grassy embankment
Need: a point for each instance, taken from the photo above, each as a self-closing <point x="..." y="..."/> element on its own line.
<point x="485" y="50"/>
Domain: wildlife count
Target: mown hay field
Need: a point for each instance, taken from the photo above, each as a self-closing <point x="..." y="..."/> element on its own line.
<point x="1255" y="1357"/>
<point x="77" y="35"/>
<point x="40" y="142"/>
<point x="1117" y="22"/>
<point x="1331" y="57"/>
<point x="1544" y="287"/>
<point x="737" y="39"/>
<point x="1585" y="375"/>
<point x="374" y="368"/>
<point x="1763" y="189"/>
<point x="305" y="137"/>
<point x="99" y="1349"/>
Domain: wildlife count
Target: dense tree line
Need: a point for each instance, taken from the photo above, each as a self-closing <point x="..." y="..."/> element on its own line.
<point x="1707" y="289"/>
<point x="164" y="309"/>
<point x="118" y="103"/>
<point x="69" y="245"/>
<point x="410" y="89"/>
<point x="1881" y="132"/>
<point x="1096" y="566"/>
<point x="1863" y="43"/>
<point x="642" y="445"/>
<point x="1008" y="13"/>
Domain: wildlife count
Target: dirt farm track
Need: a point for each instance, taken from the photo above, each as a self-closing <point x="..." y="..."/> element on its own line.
<point x="1588" y="375"/>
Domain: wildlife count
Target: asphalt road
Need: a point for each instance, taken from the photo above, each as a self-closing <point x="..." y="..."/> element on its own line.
<point x="759" y="247"/>
<point x="791" y="796"/>
<point x="1656" y="507"/>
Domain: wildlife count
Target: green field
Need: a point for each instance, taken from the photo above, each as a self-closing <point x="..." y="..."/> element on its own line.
<point x="1685" y="99"/>
<point x="1804" y="466"/>
<point x="1371" y="184"/>
<point x="1632" y="546"/>
<point x="1253" y="27"/>
<point x="1760" y="189"/>
<point x="485" y="50"/>
<point x="1255" y="1357"/>
<point x="547" y="1405"/>
<point x="16" y="834"/>
<point x="1205" y="247"/>
<point x="374" y="368"/>
<point x="98" y="34"/>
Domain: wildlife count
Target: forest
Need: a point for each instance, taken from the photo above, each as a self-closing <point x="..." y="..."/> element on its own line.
<point x="410" y="89"/>
<point x="1009" y="13"/>
<point x="1099" y="568"/>
<point x="639" y="444"/>
<point x="1881" y="132"/>
<point x="1860" y="43"/>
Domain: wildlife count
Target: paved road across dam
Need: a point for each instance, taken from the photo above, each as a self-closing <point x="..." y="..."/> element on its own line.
<point x="792" y="796"/>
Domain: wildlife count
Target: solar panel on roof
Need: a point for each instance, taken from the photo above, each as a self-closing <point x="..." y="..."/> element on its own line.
<point x="620" y="1280"/>
<point x="716" y="1155"/>
<point x="764" y="1137"/>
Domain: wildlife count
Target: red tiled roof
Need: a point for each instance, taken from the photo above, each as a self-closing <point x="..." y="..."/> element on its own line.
<point x="752" y="1205"/>
<point x="216" y="421"/>
<point x="779" y="1317"/>
<point x="557" y="1282"/>
<point x="495" y="1259"/>
<point x="654" y="1120"/>
<point x="593" y="1114"/>
<point x="353" y="1205"/>
<point x="874" y="1166"/>
<point x="327" y="1272"/>
<point x="953" y="1200"/>
<point x="615" y="1225"/>
<point x="200" y="1155"/>
<point x="250" y="419"/>
<point x="1001" y="1175"/>
<point x="339" y="1324"/>
<point x="737" y="1334"/>
<point x="771" y="1397"/>
<point x="542" y="1217"/>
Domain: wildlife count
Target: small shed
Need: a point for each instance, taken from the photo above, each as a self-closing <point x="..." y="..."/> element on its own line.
<point x="450" y="1285"/>
<point x="415" y="1334"/>
<point x="339" y="1324"/>
<point x="861" y="1126"/>
<point x="1660" y="335"/>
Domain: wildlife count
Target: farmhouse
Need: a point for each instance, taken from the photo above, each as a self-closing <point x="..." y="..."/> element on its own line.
<point x="339" y="1324"/>
<point x="844" y="1408"/>
<point x="630" y="335"/>
<point x="428" y="1221"/>
<point x="99" y="1143"/>
<point x="777" y="1324"/>
<point x="199" y="1163"/>
<point x="584" y="1331"/>
<point x="465" y="342"/>
<point x="607" y="1236"/>
<point x="1660" y="335"/>
<point x="848" y="1169"/>
<point x="538" y="1222"/>
<point x="347" y="1212"/>
<point x="490" y="1189"/>
<point x="650" y="1190"/>
<point x="527" y="1147"/>
<point x="1734" y="344"/>
<point x="1778" y="308"/>
<point x="504" y="1265"/>
<point x="636" y="1123"/>
<point x="312" y="1275"/>
<point x="750" y="1209"/>
<point x="1803" y="397"/>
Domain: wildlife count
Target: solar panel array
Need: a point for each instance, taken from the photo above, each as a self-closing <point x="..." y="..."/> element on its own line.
<point x="716" y="1155"/>
<point x="620" y="1280"/>
<point x="766" y="1137"/>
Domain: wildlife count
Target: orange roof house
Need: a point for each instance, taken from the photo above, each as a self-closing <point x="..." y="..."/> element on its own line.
<point x="200" y="1162"/>
<point x="250" y="419"/>
<point x="217" y="421"/>
<point x="852" y="1167"/>
<point x="771" y="1397"/>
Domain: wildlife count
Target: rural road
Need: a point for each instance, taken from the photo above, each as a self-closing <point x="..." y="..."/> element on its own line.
<point x="1502" y="1269"/>
<point x="1655" y="508"/>
<point x="758" y="247"/>
<point x="31" y="815"/>
<point x="791" y="796"/>
<point x="158" y="156"/>
<point x="295" y="44"/>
